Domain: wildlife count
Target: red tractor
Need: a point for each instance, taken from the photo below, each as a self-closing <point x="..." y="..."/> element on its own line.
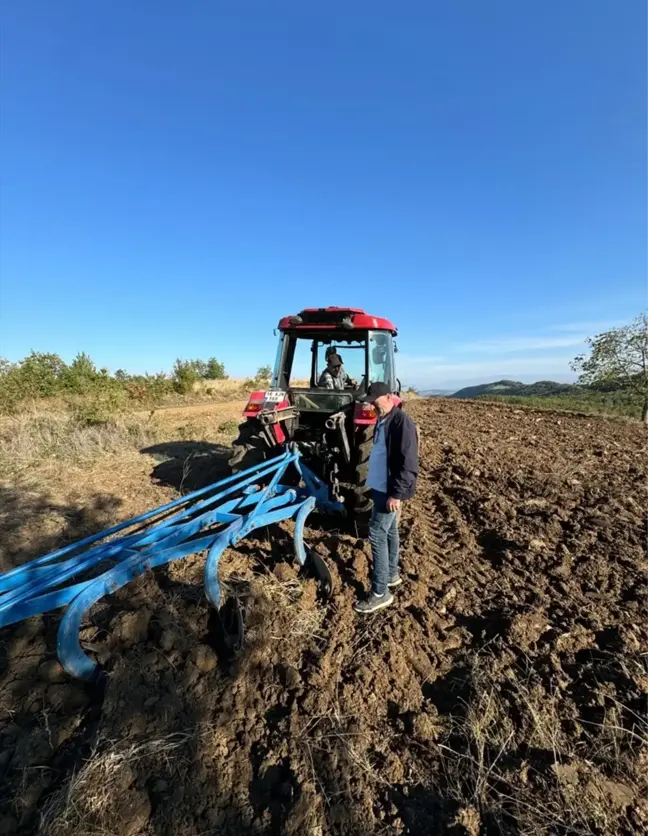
<point x="333" y="428"/>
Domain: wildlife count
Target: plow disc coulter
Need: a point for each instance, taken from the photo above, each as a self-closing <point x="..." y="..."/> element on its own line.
<point x="210" y="519"/>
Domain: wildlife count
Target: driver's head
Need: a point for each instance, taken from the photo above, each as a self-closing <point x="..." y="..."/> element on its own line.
<point x="334" y="364"/>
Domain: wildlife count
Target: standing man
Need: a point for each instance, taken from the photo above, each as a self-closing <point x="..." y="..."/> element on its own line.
<point x="393" y="469"/>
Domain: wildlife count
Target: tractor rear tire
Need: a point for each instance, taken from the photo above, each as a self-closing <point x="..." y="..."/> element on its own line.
<point x="244" y="456"/>
<point x="362" y="502"/>
<point x="248" y="450"/>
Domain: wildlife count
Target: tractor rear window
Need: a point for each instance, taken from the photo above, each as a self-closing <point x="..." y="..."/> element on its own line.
<point x="302" y="360"/>
<point x="324" y="400"/>
<point x="352" y="354"/>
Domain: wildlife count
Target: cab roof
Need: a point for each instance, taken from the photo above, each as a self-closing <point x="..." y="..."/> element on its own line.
<point x="342" y="319"/>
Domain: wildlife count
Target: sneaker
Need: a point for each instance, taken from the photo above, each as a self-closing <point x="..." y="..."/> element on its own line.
<point x="374" y="603"/>
<point x="394" y="582"/>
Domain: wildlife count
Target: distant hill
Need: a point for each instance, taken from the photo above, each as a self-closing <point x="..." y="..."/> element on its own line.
<point x="543" y="388"/>
<point x="436" y="392"/>
<point x="608" y="397"/>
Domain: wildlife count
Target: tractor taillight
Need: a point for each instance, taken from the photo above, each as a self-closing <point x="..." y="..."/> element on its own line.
<point x="254" y="404"/>
<point x="365" y="413"/>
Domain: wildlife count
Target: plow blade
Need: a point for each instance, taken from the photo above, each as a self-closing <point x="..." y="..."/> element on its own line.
<point x="210" y="519"/>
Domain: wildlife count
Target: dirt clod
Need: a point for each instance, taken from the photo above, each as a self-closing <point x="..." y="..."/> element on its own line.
<point x="52" y="671"/>
<point x="204" y="658"/>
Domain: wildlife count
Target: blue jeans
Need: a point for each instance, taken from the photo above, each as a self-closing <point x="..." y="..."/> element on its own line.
<point x="383" y="536"/>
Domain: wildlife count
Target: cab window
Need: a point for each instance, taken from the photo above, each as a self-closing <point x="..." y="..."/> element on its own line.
<point x="352" y="353"/>
<point x="381" y="358"/>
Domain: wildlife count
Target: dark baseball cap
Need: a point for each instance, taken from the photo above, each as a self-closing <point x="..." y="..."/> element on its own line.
<point x="377" y="390"/>
<point x="334" y="360"/>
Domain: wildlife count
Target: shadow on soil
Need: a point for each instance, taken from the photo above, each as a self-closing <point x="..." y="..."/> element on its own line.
<point x="32" y="523"/>
<point x="150" y="705"/>
<point x="46" y="723"/>
<point x="188" y="465"/>
<point x="153" y="640"/>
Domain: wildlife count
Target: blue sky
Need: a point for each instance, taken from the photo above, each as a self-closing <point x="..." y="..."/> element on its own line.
<point x="176" y="177"/>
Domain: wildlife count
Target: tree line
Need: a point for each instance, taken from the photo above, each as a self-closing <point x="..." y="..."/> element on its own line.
<point x="617" y="359"/>
<point x="45" y="375"/>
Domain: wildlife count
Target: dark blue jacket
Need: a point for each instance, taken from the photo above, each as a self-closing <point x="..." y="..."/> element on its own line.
<point x="401" y="438"/>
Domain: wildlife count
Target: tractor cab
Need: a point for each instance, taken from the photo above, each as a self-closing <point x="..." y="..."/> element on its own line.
<point x="305" y="344"/>
<point x="332" y="426"/>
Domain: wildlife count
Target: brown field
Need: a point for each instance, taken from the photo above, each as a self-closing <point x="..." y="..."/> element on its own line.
<point x="503" y="693"/>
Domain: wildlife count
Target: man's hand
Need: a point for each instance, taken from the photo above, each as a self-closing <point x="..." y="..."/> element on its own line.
<point x="393" y="504"/>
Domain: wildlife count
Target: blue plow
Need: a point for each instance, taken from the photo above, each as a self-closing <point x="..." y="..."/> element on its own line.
<point x="210" y="519"/>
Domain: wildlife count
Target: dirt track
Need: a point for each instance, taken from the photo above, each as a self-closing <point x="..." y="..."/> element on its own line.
<point x="505" y="692"/>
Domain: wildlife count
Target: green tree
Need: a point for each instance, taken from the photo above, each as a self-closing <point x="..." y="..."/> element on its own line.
<point x="121" y="375"/>
<point x="214" y="370"/>
<point x="264" y="373"/>
<point x="81" y="375"/>
<point x="36" y="376"/>
<point x="39" y="374"/>
<point x="83" y="365"/>
<point x="199" y="366"/>
<point x="618" y="357"/>
<point x="184" y="375"/>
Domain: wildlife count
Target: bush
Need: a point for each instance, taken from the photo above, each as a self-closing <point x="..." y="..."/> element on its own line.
<point x="81" y="375"/>
<point x="43" y="375"/>
<point x="99" y="406"/>
<point x="188" y="372"/>
<point x="184" y="376"/>
<point x="214" y="370"/>
<point x="264" y="373"/>
<point x="38" y="375"/>
<point x="148" y="388"/>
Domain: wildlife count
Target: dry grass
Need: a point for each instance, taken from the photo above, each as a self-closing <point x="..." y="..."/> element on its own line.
<point x="585" y="786"/>
<point x="232" y="389"/>
<point x="62" y="479"/>
<point x="301" y="616"/>
<point x="34" y="436"/>
<point x="231" y="385"/>
<point x="304" y="617"/>
<point x="116" y="401"/>
<point x="99" y="798"/>
<point x="227" y="390"/>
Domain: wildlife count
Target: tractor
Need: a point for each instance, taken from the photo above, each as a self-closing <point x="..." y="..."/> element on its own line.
<point x="300" y="447"/>
<point x="333" y="429"/>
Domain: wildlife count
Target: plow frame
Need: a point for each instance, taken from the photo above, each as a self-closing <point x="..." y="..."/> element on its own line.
<point x="210" y="519"/>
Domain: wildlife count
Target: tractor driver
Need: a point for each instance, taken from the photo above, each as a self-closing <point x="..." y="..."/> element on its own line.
<point x="334" y="376"/>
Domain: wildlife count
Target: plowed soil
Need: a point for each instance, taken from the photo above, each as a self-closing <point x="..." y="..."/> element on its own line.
<point x="503" y="692"/>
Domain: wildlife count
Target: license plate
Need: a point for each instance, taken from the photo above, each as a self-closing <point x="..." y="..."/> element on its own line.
<point x="275" y="396"/>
